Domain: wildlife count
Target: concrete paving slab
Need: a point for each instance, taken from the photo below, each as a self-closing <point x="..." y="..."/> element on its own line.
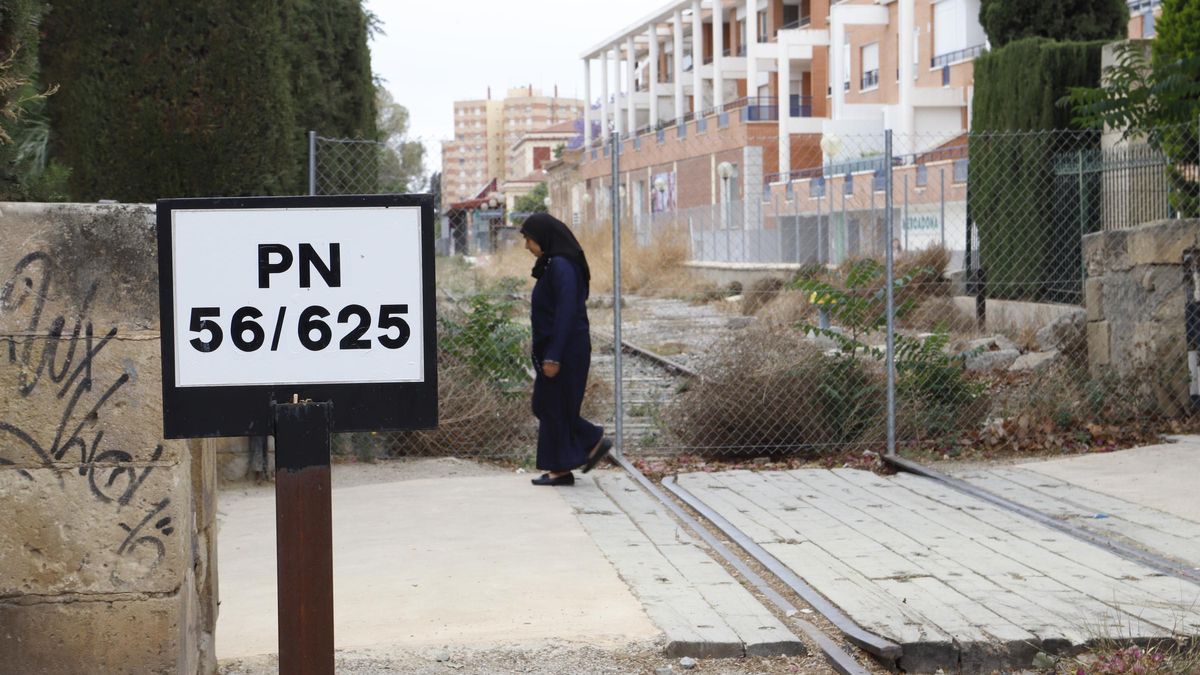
<point x="1158" y="532"/>
<point x="700" y="607"/>
<point x="479" y="561"/>
<point x="1161" y="477"/>
<point x="958" y="582"/>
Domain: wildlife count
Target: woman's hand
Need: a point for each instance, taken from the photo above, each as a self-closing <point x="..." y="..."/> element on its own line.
<point x="550" y="368"/>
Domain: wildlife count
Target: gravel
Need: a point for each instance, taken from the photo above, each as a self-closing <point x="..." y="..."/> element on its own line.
<point x="538" y="660"/>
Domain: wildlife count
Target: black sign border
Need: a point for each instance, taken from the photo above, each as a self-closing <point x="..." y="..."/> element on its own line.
<point x="247" y="410"/>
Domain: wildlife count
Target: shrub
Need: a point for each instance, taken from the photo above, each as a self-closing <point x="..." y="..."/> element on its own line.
<point x="485" y="338"/>
<point x="760" y="294"/>
<point x="774" y="391"/>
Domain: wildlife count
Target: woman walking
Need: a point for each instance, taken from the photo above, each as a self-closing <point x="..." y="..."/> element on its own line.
<point x="562" y="352"/>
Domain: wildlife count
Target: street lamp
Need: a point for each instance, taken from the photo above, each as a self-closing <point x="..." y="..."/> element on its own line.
<point x="660" y="186"/>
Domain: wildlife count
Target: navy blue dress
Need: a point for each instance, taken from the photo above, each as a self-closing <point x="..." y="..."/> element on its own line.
<point x="561" y="333"/>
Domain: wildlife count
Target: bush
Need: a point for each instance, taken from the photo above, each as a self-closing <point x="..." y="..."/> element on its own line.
<point x="1005" y="21"/>
<point x="774" y="391"/>
<point x="485" y="338"/>
<point x="483" y="382"/>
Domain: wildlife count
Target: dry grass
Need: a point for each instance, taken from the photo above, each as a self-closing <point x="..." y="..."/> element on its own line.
<point x="939" y="314"/>
<point x="760" y="293"/>
<point x="772" y="391"/>
<point x="654" y="270"/>
<point x="474" y="419"/>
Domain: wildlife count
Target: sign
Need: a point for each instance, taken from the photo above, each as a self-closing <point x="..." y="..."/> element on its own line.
<point x="267" y="300"/>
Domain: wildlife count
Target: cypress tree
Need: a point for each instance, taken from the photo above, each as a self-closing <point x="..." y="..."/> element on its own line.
<point x="168" y="99"/>
<point x="1005" y="21"/>
<point x="330" y="62"/>
<point x="1024" y="199"/>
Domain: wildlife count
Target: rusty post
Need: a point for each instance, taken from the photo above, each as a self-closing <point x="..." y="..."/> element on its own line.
<point x="304" y="537"/>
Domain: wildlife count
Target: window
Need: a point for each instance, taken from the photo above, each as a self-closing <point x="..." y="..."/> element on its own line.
<point x="870" y="66"/>
<point x="960" y="171"/>
<point x="949" y="17"/>
<point x="848" y="184"/>
<point x="762" y="26"/>
<point x="846" y="65"/>
<point x="1148" y="24"/>
<point x="922" y="175"/>
<point x="816" y="187"/>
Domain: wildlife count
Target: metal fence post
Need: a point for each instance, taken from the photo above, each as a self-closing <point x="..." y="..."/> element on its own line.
<point x="904" y="220"/>
<point x="942" y="216"/>
<point x="891" y="301"/>
<point x="312" y="162"/>
<point x="616" y="225"/>
<point x="1082" y="226"/>
<point x="820" y="256"/>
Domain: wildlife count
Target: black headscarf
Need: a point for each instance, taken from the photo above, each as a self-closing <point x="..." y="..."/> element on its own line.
<point x="555" y="239"/>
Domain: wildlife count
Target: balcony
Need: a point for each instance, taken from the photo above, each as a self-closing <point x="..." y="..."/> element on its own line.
<point x="766" y="109"/>
<point x="948" y="58"/>
<point x="870" y="80"/>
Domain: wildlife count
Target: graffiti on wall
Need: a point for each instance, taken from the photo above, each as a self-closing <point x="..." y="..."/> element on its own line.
<point x="54" y="359"/>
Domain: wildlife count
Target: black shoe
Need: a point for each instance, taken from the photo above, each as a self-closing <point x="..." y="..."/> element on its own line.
<point x="600" y="453"/>
<point x="545" y="479"/>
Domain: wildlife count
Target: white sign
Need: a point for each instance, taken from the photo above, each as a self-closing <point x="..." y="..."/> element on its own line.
<point x="297" y="296"/>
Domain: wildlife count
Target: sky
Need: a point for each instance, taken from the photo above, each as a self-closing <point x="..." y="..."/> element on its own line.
<point x="434" y="52"/>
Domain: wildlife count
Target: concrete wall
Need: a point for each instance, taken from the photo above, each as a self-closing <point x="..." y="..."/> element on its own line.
<point x="107" y="545"/>
<point x="1135" y="298"/>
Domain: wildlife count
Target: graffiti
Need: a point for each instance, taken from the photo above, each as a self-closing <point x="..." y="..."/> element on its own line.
<point x="50" y="365"/>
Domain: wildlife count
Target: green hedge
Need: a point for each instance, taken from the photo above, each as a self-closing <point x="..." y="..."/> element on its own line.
<point x="170" y="99"/>
<point x="1026" y="207"/>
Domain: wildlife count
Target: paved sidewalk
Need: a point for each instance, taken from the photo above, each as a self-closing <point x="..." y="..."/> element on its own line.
<point x="481" y="560"/>
<point x="1164" y="477"/>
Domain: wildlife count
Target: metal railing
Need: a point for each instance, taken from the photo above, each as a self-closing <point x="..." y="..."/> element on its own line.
<point x="956" y="56"/>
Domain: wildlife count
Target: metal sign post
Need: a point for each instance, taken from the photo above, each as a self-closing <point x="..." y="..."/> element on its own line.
<point x="273" y="311"/>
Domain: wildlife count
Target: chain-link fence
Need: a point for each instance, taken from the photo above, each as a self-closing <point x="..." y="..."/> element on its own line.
<point x="782" y="318"/>
<point x="351" y="166"/>
<point x="760" y="314"/>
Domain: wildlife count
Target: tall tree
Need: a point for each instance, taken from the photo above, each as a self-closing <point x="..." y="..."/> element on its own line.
<point x="168" y="99"/>
<point x="1069" y="20"/>
<point x="330" y="64"/>
<point x="402" y="168"/>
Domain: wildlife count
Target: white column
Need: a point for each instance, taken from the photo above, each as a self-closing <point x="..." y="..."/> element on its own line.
<point x="618" y="102"/>
<point x="837" y="69"/>
<point x="751" y="40"/>
<point x="785" y="110"/>
<point x="630" y="84"/>
<point x="587" y="103"/>
<point x="697" y="57"/>
<point x="653" y="33"/>
<point x="905" y="27"/>
<point x="604" y="107"/>
<point x="677" y="37"/>
<point x="718" y="53"/>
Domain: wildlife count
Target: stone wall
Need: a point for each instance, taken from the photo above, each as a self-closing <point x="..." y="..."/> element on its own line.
<point x="1135" y="296"/>
<point x="107" y="545"/>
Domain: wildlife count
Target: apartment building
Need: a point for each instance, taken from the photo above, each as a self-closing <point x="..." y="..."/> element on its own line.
<point x="485" y="130"/>
<point x="776" y="75"/>
<point x="528" y="156"/>
<point x="1142" y="16"/>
